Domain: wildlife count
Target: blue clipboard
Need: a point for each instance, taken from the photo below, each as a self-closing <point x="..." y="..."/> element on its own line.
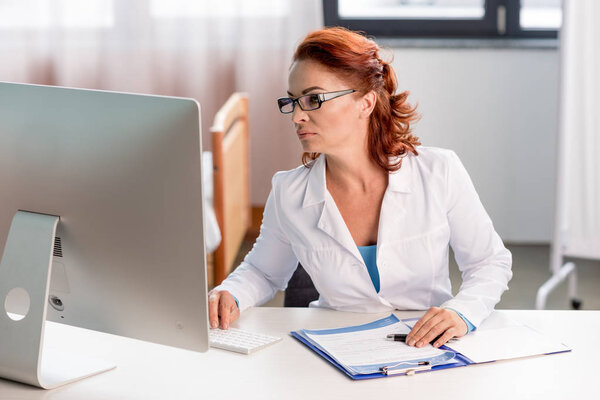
<point x="403" y="369"/>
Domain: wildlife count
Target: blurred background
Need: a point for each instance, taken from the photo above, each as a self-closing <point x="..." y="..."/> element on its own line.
<point x="486" y="75"/>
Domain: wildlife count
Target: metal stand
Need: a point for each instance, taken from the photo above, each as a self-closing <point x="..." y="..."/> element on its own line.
<point x="566" y="271"/>
<point x="27" y="264"/>
<point x="559" y="271"/>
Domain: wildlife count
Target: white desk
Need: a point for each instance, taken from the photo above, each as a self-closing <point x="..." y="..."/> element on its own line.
<point x="289" y="370"/>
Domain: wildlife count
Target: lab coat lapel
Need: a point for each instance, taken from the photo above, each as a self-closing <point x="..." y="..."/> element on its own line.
<point x="330" y="220"/>
<point x="393" y="211"/>
<point x="332" y="223"/>
<point x="392" y="219"/>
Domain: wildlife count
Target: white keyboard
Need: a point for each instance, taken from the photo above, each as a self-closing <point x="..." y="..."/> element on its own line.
<point x="240" y="341"/>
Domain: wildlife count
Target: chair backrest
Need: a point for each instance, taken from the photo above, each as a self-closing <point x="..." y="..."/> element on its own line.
<point x="231" y="163"/>
<point x="300" y="290"/>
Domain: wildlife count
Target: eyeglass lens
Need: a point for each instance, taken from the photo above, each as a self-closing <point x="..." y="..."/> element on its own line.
<point x="307" y="103"/>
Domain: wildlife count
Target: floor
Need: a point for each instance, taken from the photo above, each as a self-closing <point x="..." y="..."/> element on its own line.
<point x="530" y="271"/>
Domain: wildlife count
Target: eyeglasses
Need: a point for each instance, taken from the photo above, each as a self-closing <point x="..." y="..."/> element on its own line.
<point x="309" y="102"/>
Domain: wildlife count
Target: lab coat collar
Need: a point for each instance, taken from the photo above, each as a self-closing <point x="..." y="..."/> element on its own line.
<point x="399" y="181"/>
<point x="330" y="220"/>
<point x="316" y="186"/>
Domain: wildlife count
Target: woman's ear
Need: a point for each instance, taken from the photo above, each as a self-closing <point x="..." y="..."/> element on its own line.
<point x="367" y="104"/>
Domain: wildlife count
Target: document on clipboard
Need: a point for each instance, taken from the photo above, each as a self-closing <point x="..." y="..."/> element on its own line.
<point x="362" y="351"/>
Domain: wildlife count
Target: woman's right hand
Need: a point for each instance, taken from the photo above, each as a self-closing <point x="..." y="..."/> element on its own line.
<point x="221" y="306"/>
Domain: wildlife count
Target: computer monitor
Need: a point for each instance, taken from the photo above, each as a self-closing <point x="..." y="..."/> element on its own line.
<point x="121" y="174"/>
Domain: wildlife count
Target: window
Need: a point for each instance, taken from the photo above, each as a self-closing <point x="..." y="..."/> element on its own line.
<point x="448" y="18"/>
<point x="222" y="8"/>
<point x="44" y="14"/>
<point x="540" y="14"/>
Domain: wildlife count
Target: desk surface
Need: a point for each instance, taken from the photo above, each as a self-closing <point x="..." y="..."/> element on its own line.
<point x="288" y="370"/>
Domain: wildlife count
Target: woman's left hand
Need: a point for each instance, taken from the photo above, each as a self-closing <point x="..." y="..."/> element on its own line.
<point x="437" y="321"/>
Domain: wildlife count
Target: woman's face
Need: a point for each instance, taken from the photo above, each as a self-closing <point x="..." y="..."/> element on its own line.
<point x="339" y="123"/>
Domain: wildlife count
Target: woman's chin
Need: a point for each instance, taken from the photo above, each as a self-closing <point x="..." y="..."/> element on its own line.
<point x="307" y="148"/>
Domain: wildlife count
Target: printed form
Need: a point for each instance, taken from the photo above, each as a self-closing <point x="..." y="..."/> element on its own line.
<point x="370" y="346"/>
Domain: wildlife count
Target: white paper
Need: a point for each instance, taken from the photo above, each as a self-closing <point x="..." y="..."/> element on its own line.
<point x="501" y="338"/>
<point x="371" y="347"/>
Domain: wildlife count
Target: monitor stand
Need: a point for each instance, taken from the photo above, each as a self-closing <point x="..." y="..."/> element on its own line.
<point x="27" y="264"/>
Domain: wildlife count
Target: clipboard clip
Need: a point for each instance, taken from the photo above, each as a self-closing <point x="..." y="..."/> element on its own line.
<point x="410" y="369"/>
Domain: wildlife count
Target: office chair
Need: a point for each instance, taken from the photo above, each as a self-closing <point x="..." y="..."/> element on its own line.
<point x="300" y="290"/>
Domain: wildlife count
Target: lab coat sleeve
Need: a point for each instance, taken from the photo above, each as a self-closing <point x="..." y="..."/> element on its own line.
<point x="270" y="264"/>
<point x="483" y="260"/>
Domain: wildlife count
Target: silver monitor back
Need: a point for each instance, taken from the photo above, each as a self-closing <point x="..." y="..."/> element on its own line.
<point x="123" y="172"/>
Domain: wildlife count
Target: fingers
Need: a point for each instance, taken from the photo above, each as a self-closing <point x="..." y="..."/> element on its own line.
<point x="213" y="310"/>
<point x="423" y="326"/>
<point x="224" y="313"/>
<point x="436" y="334"/>
<point x="449" y="334"/>
<point x="430" y="331"/>
<point x="221" y="307"/>
<point x="228" y="309"/>
<point x="417" y="327"/>
<point x="436" y="322"/>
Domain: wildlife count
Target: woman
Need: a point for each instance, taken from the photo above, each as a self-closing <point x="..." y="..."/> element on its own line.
<point x="370" y="215"/>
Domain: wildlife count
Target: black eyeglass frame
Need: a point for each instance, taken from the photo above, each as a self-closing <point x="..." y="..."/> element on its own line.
<point x="321" y="97"/>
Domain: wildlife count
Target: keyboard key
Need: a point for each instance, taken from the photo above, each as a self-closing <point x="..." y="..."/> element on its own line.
<point x="239" y="340"/>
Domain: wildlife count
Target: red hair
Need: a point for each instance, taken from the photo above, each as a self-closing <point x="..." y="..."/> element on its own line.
<point x="357" y="58"/>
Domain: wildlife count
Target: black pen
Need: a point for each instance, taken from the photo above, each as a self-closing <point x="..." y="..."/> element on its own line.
<point x="401" y="337"/>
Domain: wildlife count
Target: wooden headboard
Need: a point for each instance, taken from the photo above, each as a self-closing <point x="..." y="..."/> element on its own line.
<point x="231" y="162"/>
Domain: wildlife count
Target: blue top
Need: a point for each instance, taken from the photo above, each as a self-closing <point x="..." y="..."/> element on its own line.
<point x="369" y="254"/>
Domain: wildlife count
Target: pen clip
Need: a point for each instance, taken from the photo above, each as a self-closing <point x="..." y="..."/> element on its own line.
<point x="409" y="370"/>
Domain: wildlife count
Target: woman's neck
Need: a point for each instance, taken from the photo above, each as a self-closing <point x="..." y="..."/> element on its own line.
<point x="354" y="172"/>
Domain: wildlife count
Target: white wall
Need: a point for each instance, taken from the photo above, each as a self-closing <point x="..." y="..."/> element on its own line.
<point x="497" y="108"/>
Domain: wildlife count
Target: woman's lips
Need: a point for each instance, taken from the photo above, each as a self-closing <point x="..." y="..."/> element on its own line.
<point x="304" y="134"/>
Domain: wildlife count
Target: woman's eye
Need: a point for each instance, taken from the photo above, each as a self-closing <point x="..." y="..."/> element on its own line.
<point x="313" y="99"/>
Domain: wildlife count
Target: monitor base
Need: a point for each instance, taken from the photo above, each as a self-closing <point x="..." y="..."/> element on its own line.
<point x="59" y="368"/>
<point x="26" y="265"/>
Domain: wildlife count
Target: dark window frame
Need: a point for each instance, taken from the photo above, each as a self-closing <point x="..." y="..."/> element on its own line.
<point x="485" y="28"/>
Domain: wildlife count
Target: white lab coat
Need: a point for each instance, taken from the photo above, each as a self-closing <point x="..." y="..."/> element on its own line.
<point x="429" y="203"/>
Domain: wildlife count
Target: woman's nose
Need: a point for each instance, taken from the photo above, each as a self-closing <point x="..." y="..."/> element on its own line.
<point x="299" y="115"/>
